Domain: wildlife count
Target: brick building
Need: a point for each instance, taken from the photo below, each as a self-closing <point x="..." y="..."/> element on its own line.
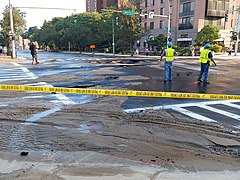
<point x="97" y="5"/>
<point x="188" y="17"/>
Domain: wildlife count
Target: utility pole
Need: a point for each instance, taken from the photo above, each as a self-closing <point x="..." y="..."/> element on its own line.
<point x="12" y="31"/>
<point x="169" y="25"/>
<point x="113" y="36"/>
<point x="237" y="32"/>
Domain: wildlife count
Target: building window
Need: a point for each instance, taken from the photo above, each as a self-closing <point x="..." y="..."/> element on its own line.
<point x="162" y="1"/>
<point x="95" y="5"/>
<point x="151" y="25"/>
<point x="185" y="23"/>
<point x="89" y="5"/>
<point x="186" y="9"/>
<point x="162" y="11"/>
<point x="184" y="36"/>
<point x="153" y="2"/>
<point x="146" y="3"/>
<point x="171" y="9"/>
<point x="145" y="25"/>
<point x="161" y="24"/>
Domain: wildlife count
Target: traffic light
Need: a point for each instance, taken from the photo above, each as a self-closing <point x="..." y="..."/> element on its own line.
<point x="117" y="21"/>
<point x="235" y="34"/>
<point x="75" y="19"/>
<point x="139" y="22"/>
<point x="226" y="17"/>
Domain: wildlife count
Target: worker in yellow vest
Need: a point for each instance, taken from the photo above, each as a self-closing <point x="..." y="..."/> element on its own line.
<point x="169" y="54"/>
<point x="206" y="60"/>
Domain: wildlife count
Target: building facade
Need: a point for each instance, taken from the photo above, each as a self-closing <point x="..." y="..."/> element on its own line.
<point x="97" y="5"/>
<point x="188" y="17"/>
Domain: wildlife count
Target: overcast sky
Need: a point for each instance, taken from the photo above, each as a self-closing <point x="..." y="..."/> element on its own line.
<point x="36" y="17"/>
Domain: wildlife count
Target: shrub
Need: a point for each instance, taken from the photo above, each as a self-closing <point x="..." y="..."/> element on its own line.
<point x="216" y="48"/>
<point x="184" y="52"/>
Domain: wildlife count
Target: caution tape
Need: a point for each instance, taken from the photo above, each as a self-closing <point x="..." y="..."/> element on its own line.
<point x="108" y="92"/>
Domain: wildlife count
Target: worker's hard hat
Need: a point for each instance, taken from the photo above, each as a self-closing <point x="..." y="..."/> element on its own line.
<point x="169" y="44"/>
<point x="207" y="45"/>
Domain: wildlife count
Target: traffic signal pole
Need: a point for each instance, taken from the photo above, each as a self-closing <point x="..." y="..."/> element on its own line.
<point x="237" y="32"/>
<point x="12" y="31"/>
<point x="113" y="36"/>
<point x="169" y="25"/>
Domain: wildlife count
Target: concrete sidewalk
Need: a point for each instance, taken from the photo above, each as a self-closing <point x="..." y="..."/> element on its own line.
<point x="86" y="165"/>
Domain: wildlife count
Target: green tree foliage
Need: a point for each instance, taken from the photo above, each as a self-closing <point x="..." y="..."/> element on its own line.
<point x="19" y="24"/>
<point x="129" y="30"/>
<point x="208" y="33"/>
<point x="160" y="42"/>
<point x="92" y="28"/>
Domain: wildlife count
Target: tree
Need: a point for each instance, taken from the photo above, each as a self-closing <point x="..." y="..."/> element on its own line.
<point x="208" y="33"/>
<point x="129" y="30"/>
<point x="160" y="42"/>
<point x="19" y="25"/>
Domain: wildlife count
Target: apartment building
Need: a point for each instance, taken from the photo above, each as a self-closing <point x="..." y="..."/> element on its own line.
<point x="188" y="17"/>
<point x="97" y="5"/>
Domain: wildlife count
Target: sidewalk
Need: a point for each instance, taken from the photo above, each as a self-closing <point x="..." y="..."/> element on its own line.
<point x="8" y="58"/>
<point x="86" y="165"/>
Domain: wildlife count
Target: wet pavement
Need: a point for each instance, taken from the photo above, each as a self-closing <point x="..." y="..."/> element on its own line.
<point x="145" y="75"/>
<point x="70" y="136"/>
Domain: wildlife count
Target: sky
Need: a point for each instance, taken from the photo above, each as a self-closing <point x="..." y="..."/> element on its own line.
<point x="36" y="17"/>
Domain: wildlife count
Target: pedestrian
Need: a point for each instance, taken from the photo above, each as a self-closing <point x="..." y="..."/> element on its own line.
<point x="206" y="60"/>
<point x="201" y="48"/>
<point x="33" y="49"/>
<point x="169" y="54"/>
<point x="230" y="48"/>
<point x="192" y="50"/>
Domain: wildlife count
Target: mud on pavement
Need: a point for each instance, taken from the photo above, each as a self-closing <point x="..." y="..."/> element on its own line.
<point x="151" y="137"/>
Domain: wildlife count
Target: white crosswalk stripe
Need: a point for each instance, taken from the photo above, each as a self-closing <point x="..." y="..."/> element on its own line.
<point x="16" y="72"/>
<point x="183" y="109"/>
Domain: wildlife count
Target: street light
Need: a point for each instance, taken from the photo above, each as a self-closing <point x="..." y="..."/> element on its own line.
<point x="12" y="30"/>
<point x="237" y="32"/>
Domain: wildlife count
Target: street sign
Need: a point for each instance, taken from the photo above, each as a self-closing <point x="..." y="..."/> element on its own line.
<point x="128" y="12"/>
<point x="151" y="14"/>
<point x="92" y="46"/>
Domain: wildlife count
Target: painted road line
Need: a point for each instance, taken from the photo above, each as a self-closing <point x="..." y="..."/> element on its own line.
<point x="225" y="113"/>
<point x="24" y="69"/>
<point x="43" y="114"/>
<point x="178" y="105"/>
<point x="110" y="92"/>
<point x="61" y="97"/>
<point x="192" y="114"/>
<point x="180" y="108"/>
<point x="232" y="105"/>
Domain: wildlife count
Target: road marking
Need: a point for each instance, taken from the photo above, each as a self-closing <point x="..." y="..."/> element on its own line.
<point x="24" y="69"/>
<point x="192" y="114"/>
<point x="180" y="108"/>
<point x="110" y="92"/>
<point x="225" y="113"/>
<point x="232" y="105"/>
<point x="43" y="114"/>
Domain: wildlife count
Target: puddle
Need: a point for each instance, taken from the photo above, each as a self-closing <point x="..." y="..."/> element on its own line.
<point x="122" y="145"/>
<point x="85" y="128"/>
<point x="92" y="127"/>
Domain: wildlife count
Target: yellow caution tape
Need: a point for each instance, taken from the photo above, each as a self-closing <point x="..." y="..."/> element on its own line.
<point x="108" y="92"/>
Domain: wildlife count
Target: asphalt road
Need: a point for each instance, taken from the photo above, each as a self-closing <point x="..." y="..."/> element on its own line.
<point x="83" y="135"/>
<point x="141" y="74"/>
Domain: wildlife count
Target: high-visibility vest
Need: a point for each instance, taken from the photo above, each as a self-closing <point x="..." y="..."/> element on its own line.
<point x="204" y="57"/>
<point x="169" y="53"/>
